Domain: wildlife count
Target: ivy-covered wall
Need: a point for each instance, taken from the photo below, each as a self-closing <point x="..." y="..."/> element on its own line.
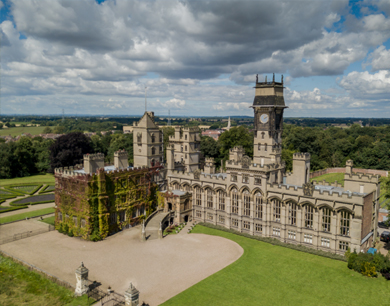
<point x="95" y="206"/>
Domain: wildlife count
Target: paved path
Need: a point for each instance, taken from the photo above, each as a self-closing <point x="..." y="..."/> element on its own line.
<point x="160" y="268"/>
<point x="153" y="226"/>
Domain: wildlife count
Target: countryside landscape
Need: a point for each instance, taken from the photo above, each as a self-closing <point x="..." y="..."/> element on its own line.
<point x="194" y="152"/>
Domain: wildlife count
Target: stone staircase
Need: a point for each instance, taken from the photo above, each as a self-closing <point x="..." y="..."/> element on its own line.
<point x="154" y="225"/>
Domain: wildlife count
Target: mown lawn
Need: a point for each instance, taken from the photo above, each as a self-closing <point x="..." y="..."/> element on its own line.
<point x="18" y="130"/>
<point x="20" y="286"/>
<point x="30" y="214"/>
<point x="39" y="179"/>
<point x="274" y="275"/>
<point x="330" y="178"/>
<point x="49" y="220"/>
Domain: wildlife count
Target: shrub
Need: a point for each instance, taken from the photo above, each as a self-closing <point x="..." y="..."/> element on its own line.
<point x="95" y="236"/>
<point x="368" y="269"/>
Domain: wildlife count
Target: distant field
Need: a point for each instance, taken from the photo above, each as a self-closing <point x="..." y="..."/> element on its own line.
<point x="15" y="131"/>
<point x="39" y="179"/>
<point x="331" y="178"/>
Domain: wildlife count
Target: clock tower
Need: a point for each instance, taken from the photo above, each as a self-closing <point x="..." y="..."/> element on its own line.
<point x="268" y="107"/>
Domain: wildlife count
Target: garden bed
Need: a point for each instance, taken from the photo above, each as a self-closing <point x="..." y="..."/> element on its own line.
<point x="38" y="199"/>
<point x="24" y="188"/>
<point x="47" y="188"/>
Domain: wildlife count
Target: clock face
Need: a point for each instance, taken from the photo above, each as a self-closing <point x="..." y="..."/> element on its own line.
<point x="264" y="118"/>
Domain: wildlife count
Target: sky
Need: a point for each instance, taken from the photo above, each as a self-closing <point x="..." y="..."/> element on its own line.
<point x="194" y="58"/>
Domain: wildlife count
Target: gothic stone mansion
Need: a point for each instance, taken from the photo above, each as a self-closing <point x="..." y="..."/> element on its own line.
<point x="257" y="196"/>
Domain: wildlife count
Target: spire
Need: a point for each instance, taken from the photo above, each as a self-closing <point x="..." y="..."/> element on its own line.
<point x="228" y="126"/>
<point x="273" y="78"/>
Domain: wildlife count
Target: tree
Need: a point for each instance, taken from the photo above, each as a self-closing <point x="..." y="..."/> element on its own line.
<point x="68" y="150"/>
<point x="25" y="158"/>
<point x="47" y="130"/>
<point x="238" y="136"/>
<point x="1" y="125"/>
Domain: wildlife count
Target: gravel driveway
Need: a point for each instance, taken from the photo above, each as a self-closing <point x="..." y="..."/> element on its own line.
<point x="160" y="269"/>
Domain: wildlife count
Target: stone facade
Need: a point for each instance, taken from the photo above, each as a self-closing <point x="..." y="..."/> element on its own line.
<point x="256" y="196"/>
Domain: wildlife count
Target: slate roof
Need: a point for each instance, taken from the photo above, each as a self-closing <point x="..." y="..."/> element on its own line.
<point x="268" y="100"/>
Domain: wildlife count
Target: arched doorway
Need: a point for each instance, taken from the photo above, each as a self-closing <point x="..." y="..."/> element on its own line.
<point x="169" y="206"/>
<point x="186" y="218"/>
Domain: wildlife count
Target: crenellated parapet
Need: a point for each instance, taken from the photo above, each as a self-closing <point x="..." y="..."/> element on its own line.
<point x="94" y="157"/>
<point x="301" y="156"/>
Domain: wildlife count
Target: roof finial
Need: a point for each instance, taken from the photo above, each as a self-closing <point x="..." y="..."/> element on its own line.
<point x="282" y="78"/>
<point x="266" y="79"/>
<point x="257" y="78"/>
<point x="273" y="78"/>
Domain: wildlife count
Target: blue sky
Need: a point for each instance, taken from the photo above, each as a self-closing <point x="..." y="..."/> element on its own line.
<point x="196" y="58"/>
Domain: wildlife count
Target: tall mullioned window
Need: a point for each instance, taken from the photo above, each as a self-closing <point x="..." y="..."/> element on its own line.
<point x="309" y="216"/>
<point x="344" y="222"/>
<point x="326" y="217"/>
<point x="292" y="213"/>
<point x="234" y="196"/>
<point x="259" y="206"/>
<point x="198" y="196"/>
<point x="209" y="195"/>
<point x="247" y="203"/>
<point x="221" y="199"/>
<point x="277" y="206"/>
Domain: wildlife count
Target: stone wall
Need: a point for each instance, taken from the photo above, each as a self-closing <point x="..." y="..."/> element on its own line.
<point x="342" y="170"/>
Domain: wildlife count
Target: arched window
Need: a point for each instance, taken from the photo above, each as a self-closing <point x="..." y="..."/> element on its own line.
<point x="259" y="147"/>
<point x="234" y="196"/>
<point x="292" y="213"/>
<point x="309" y="216"/>
<point x="221" y="200"/>
<point x="185" y="148"/>
<point x="265" y="147"/>
<point x="344" y="222"/>
<point x="262" y="135"/>
<point x="187" y="188"/>
<point x="152" y="162"/>
<point x="153" y="138"/>
<point x="197" y="196"/>
<point x="326" y="217"/>
<point x="277" y="205"/>
<point x="185" y="137"/>
<point x="209" y="196"/>
<point x="176" y="186"/>
<point x="153" y="151"/>
<point x="259" y="206"/>
<point x="246" y="197"/>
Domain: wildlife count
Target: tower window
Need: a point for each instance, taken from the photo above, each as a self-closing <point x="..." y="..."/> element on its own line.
<point x="259" y="147"/>
<point x="185" y="137"/>
<point x="262" y="135"/>
<point x="265" y="147"/>
<point x="153" y="138"/>
<point x="153" y="151"/>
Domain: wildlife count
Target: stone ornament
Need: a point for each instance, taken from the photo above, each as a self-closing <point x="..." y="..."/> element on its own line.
<point x="197" y="174"/>
<point x="245" y="161"/>
<point x="131" y="296"/>
<point x="308" y="189"/>
<point x="81" y="280"/>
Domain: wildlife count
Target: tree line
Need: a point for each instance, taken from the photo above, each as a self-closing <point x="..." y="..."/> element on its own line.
<point x="368" y="147"/>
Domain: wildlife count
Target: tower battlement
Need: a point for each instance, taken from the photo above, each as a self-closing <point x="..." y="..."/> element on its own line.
<point x="301" y="156"/>
<point x="94" y="157"/>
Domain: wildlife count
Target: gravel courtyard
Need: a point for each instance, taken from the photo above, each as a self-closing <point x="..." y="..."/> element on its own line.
<point x="160" y="269"/>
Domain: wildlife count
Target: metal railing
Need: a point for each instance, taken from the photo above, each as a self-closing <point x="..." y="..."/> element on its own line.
<point x="26" y="234"/>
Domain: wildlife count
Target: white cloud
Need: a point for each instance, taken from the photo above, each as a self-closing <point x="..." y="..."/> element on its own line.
<point x="379" y="59"/>
<point x="174" y="103"/>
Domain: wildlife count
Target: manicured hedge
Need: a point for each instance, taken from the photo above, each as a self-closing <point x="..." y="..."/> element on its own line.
<point x="34" y="188"/>
<point x="37" y="199"/>
<point x="47" y="189"/>
<point x="6" y="209"/>
<point x="274" y="241"/>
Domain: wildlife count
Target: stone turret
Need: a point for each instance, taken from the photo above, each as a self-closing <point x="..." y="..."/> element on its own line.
<point x="121" y="160"/>
<point x="93" y="162"/>
<point x="301" y="169"/>
<point x="209" y="166"/>
<point x="236" y="153"/>
<point x="349" y="166"/>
